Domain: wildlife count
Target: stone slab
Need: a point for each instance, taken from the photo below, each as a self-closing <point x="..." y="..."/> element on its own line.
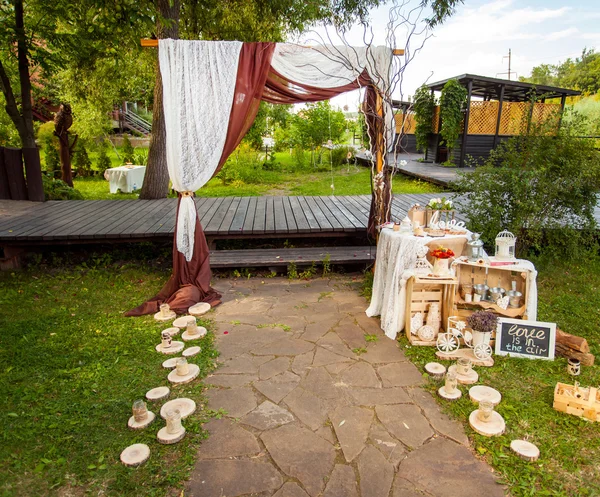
<point x="352" y="425"/>
<point x="376" y="474"/>
<point x="393" y="451"/>
<point x="334" y="343"/>
<point x="380" y="396"/>
<point x="233" y="478"/>
<point x="302" y="363"/>
<point x="440" y="422"/>
<point x="278" y="387"/>
<point x="285" y="346"/>
<point x="227" y="439"/>
<point x="236" y="401"/>
<point x="319" y="382"/>
<point x="307" y="407"/>
<point x="323" y="357"/>
<point x="273" y="368"/>
<point x="230" y="380"/>
<point x="360" y="374"/>
<point x="384" y="350"/>
<point x="267" y="416"/>
<point x="406" y="423"/>
<point x="291" y="489"/>
<point x="342" y="482"/>
<point x="455" y="473"/>
<point x="301" y="454"/>
<point x="401" y="374"/>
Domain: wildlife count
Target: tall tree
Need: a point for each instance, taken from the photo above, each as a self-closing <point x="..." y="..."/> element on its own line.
<point x="156" y="181"/>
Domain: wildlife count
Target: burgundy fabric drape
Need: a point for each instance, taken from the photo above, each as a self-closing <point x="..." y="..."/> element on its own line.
<point x="190" y="281"/>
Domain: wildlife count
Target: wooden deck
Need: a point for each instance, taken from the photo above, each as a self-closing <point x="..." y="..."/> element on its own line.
<point x="95" y="221"/>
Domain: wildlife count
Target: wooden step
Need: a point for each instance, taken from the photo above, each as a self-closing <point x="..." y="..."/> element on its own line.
<point x="284" y="256"/>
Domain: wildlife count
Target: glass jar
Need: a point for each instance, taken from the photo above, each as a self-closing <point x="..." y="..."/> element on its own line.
<point x="463" y="366"/>
<point x="486" y="408"/>
<point x="174" y="425"/>
<point x="166" y="339"/>
<point x="182" y="366"/>
<point x="451" y="382"/>
<point x="140" y="411"/>
<point x="165" y="310"/>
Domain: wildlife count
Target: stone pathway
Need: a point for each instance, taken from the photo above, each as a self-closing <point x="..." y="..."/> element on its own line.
<point x="313" y="409"/>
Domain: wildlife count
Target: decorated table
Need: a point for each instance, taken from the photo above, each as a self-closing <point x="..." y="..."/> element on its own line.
<point x="125" y="178"/>
<point x="397" y="255"/>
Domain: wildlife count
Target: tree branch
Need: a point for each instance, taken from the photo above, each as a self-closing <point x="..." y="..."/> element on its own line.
<point x="27" y="138"/>
<point x="11" y="106"/>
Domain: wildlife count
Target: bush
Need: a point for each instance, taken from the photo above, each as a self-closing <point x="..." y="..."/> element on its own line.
<point x="452" y="100"/>
<point x="103" y="163"/>
<point x="244" y="166"/>
<point x="56" y="189"/>
<point x="52" y="158"/>
<point x="45" y="134"/>
<point x="542" y="187"/>
<point x="82" y="161"/>
<point x="128" y="150"/>
<point x="424" y="107"/>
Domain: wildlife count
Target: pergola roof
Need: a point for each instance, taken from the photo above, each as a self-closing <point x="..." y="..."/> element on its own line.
<point x="514" y="91"/>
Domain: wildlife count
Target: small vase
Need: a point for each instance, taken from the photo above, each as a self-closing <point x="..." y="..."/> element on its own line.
<point x="441" y="267"/>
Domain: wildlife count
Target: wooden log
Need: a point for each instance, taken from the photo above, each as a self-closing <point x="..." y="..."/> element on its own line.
<point x="13" y="163"/>
<point x="586" y="358"/>
<point x="576" y="343"/>
<point x="33" y="171"/>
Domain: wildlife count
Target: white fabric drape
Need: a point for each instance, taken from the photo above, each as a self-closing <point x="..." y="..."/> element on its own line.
<point x="199" y="80"/>
<point x="329" y="66"/>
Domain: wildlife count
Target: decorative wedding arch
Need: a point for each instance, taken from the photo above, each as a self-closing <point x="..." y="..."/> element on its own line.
<point x="211" y="94"/>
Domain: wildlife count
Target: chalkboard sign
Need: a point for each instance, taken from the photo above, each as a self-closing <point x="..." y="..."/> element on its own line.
<point x="531" y="339"/>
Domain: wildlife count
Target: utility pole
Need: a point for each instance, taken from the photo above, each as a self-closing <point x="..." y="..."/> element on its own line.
<point x="509" y="57"/>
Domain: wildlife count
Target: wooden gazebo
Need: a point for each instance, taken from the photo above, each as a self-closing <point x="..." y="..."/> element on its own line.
<point x="496" y="110"/>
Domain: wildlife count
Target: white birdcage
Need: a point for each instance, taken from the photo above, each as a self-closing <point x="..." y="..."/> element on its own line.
<point x="505" y="246"/>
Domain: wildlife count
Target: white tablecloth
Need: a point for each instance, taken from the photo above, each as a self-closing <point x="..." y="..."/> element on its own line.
<point x="125" y="178"/>
<point x="396" y="257"/>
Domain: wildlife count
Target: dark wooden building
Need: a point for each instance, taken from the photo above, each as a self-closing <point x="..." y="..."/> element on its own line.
<point x="496" y="110"/>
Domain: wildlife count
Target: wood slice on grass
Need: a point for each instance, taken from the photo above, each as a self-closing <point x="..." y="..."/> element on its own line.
<point x="525" y="450"/>
<point x="135" y="454"/>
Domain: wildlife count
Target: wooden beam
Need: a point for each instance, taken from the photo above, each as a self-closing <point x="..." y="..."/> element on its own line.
<point x="463" y="147"/>
<point x="146" y="42"/>
<point x="500" y="102"/>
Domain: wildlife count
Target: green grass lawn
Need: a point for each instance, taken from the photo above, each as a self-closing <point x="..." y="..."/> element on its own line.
<point x="347" y="180"/>
<point x="569" y="294"/>
<point x="72" y="366"/>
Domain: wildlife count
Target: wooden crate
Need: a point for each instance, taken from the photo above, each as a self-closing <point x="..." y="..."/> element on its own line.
<point x="420" y="294"/>
<point x="467" y="272"/>
<point x="576" y="400"/>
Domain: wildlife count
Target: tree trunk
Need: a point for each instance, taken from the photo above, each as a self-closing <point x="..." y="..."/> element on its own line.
<point x="156" y="181"/>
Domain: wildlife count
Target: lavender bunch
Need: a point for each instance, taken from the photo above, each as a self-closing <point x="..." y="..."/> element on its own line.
<point x="484" y="321"/>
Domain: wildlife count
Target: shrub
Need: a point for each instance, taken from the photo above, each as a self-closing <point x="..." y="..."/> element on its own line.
<point x="540" y="186"/>
<point x="45" y="134"/>
<point x="82" y="161"/>
<point x="244" y="166"/>
<point x="103" y="163"/>
<point x="56" y="189"/>
<point x="128" y="150"/>
<point x="52" y="157"/>
<point x="452" y="100"/>
<point x="424" y="106"/>
<point x="141" y="157"/>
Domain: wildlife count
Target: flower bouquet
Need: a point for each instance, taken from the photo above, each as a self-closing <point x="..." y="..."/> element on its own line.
<point x="438" y="208"/>
<point x="441" y="266"/>
<point x="482" y="323"/>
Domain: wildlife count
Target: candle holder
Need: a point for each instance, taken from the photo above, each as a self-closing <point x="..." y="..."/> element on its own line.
<point x="449" y="390"/>
<point x="167" y="345"/>
<point x="192" y="330"/>
<point x="463" y="366"/>
<point x="185" y="406"/>
<point x="174" y="431"/>
<point x="165" y="313"/>
<point x="183" y="372"/>
<point x="142" y="417"/>
<point x="486" y="421"/>
<point x="574" y="366"/>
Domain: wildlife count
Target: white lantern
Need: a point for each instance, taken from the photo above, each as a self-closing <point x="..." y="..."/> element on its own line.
<point x="505" y="246"/>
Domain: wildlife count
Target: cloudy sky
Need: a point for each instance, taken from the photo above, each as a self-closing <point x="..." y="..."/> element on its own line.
<point x="479" y="35"/>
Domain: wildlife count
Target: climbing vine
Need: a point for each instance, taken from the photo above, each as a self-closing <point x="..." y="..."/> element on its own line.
<point x="424" y="105"/>
<point x="452" y="101"/>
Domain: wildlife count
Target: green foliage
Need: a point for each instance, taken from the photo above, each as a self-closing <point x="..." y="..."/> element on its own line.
<point x="82" y="161"/>
<point x="318" y="124"/>
<point x="56" y="189"/>
<point x="452" y="101"/>
<point x="292" y="271"/>
<point x="541" y="187"/>
<point x="582" y="73"/>
<point x="45" y="134"/>
<point x="128" y="150"/>
<point x="140" y="157"/>
<point x="424" y="105"/>
<point x="8" y="134"/>
<point x="103" y="162"/>
<point x="588" y="107"/>
<point x="79" y="387"/>
<point x="52" y="157"/>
